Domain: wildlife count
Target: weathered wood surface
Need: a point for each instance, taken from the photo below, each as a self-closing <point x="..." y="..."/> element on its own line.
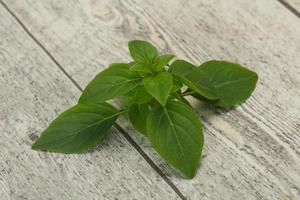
<point x="251" y="152"/>
<point x="33" y="90"/>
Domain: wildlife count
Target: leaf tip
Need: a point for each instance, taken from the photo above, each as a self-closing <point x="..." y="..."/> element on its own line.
<point x="191" y="172"/>
<point x="190" y="176"/>
<point x="36" y="146"/>
<point x="134" y="42"/>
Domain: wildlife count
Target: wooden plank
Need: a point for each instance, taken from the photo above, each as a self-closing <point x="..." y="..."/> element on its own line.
<point x="251" y="152"/>
<point x="33" y="91"/>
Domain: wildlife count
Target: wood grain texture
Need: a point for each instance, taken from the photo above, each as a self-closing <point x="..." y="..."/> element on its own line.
<point x="33" y="91"/>
<point x="251" y="152"/>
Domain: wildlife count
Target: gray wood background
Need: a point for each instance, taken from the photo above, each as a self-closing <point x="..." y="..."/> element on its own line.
<point x="50" y="49"/>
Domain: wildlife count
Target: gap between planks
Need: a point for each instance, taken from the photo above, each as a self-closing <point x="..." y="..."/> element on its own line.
<point x="116" y="125"/>
<point x="290" y="8"/>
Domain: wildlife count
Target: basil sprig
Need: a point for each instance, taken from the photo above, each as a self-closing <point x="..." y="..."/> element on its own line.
<point x="156" y="104"/>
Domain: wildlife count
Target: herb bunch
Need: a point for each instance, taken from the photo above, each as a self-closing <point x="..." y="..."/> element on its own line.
<point x="155" y="94"/>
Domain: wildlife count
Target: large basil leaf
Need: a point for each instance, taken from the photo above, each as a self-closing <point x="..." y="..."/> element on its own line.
<point x="187" y="72"/>
<point x="114" y="81"/>
<point x="142" y="52"/>
<point x="159" y="86"/>
<point x="232" y="83"/>
<point x="78" y="129"/>
<point x="138" y="117"/>
<point x="175" y="133"/>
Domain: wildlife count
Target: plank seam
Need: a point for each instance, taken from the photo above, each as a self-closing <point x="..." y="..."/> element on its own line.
<point x="116" y="125"/>
<point x="290" y="8"/>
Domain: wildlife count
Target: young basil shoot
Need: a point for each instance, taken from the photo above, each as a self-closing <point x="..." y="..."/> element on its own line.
<point x="156" y="104"/>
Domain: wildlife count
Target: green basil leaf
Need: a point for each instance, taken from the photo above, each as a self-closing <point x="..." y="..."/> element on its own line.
<point x="78" y="129"/>
<point x="159" y="86"/>
<point x="178" y="95"/>
<point x="113" y="82"/>
<point x="200" y="97"/>
<point x="142" y="52"/>
<point x="181" y="68"/>
<point x="175" y="132"/>
<point x="232" y="83"/>
<point x="177" y="85"/>
<point x="140" y="95"/>
<point x="140" y="67"/>
<point x="186" y="72"/>
<point x="206" y="92"/>
<point x="162" y="61"/>
<point x="138" y="117"/>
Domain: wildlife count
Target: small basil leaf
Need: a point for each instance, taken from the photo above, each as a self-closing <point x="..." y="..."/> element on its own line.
<point x="162" y="61"/>
<point x="184" y="71"/>
<point x="159" y="86"/>
<point x="138" y="117"/>
<point x="175" y="132"/>
<point x="113" y="82"/>
<point x="78" y="129"/>
<point x="232" y="83"/>
<point x="142" y="52"/>
<point x="140" y="67"/>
